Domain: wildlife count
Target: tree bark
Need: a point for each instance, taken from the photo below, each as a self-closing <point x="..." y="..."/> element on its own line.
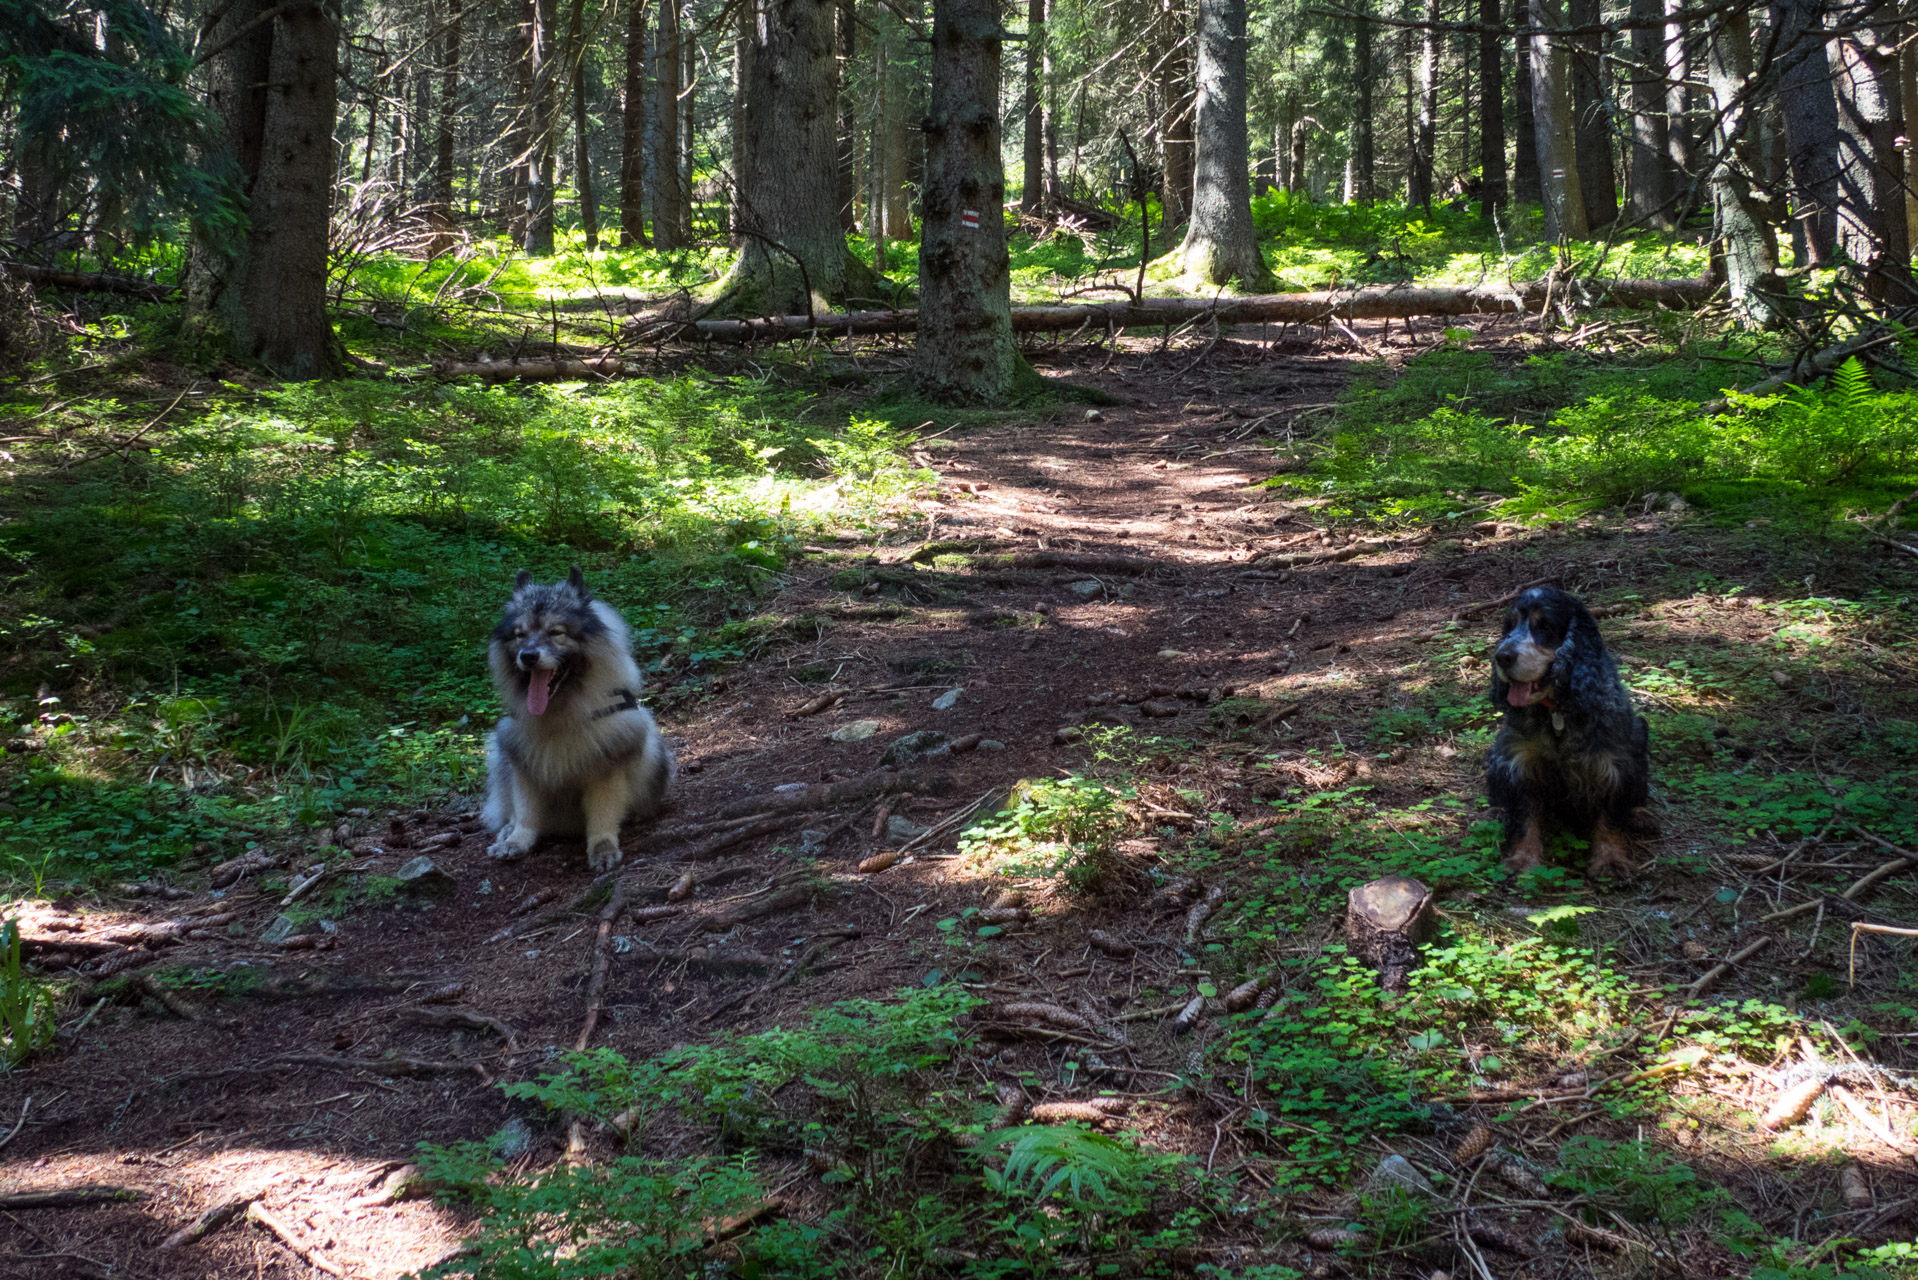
<point x="1362" y="188"/>
<point x="1751" y="254"/>
<point x="1221" y="245"/>
<point x="846" y="28"/>
<point x="582" y="135"/>
<point x="274" y="90"/>
<point x="1564" y="199"/>
<point x="965" y="352"/>
<point x="1648" y="181"/>
<point x="689" y="113"/>
<point x="1493" y="190"/>
<point x="1591" y="118"/>
<point x="632" y="138"/>
<point x="1372" y="303"/>
<point x="443" y="158"/>
<point x="1175" y="128"/>
<point x="670" y="229"/>
<point x="1525" y="183"/>
<point x="892" y="188"/>
<point x="792" y="252"/>
<point x="542" y="67"/>
<point x="1386" y="922"/>
<point x="1871" y="212"/>
<point x="1425" y="140"/>
<point x="1301" y="130"/>
<point x="519" y="134"/>
<point x="1678" y="127"/>
<point x="1032" y="112"/>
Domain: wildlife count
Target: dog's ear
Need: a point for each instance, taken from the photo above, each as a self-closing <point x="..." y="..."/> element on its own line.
<point x="577" y="581"/>
<point x="1579" y="670"/>
<point x="522" y="579"/>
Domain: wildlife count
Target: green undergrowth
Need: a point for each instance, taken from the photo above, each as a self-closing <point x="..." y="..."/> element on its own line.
<point x="279" y="612"/>
<point x="877" y="1095"/>
<point x="1464" y="433"/>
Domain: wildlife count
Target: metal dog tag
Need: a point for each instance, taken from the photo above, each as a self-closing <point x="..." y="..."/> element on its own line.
<point x="1558" y="722"/>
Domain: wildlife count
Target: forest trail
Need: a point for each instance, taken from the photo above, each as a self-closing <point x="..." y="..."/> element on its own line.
<point x="302" y="1080"/>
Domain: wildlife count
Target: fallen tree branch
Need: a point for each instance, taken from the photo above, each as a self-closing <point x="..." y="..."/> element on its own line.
<point x="68" y="1198"/>
<point x="88" y="281"/>
<point x="1363" y="547"/>
<point x="256" y="1212"/>
<point x="206" y="1223"/>
<point x="752" y="831"/>
<point x="1717" y="971"/>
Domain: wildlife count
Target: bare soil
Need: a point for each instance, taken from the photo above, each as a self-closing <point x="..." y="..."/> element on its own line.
<point x="295" y="1090"/>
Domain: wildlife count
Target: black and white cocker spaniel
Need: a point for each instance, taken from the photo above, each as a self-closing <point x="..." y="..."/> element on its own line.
<point x="1571" y="751"/>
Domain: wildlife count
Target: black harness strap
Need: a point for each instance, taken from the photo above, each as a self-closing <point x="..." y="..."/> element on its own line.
<point x="627" y="701"/>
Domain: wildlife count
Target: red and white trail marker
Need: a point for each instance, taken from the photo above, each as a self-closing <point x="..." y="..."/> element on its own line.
<point x="969" y="218"/>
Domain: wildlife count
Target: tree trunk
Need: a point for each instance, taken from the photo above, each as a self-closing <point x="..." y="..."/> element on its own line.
<point x="1871" y="214"/>
<point x="632" y="138"/>
<point x="1175" y="127"/>
<point x="1812" y="143"/>
<point x="519" y="135"/>
<point x="443" y="158"/>
<point x="792" y="252"/>
<point x="846" y="20"/>
<point x="1386" y="922"/>
<point x="1591" y="118"/>
<point x="1221" y="244"/>
<point x="1032" y="145"/>
<point x="1359" y="183"/>
<point x="1491" y="111"/>
<point x="1301" y="128"/>
<point x="543" y="67"/>
<point x="582" y="136"/>
<point x="1648" y="180"/>
<point x="1751" y="255"/>
<point x="1425" y="143"/>
<point x="892" y="187"/>
<point x="1525" y="184"/>
<point x="1564" y="200"/>
<point x="274" y="90"/>
<point x="1678" y="125"/>
<point x="965" y="350"/>
<point x="669" y="202"/>
<point x="688" y="111"/>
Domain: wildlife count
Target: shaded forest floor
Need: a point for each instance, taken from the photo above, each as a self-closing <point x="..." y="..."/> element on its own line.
<point x="1085" y="606"/>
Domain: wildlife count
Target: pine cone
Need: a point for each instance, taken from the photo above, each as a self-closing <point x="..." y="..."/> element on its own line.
<point x="1472" y="1145"/>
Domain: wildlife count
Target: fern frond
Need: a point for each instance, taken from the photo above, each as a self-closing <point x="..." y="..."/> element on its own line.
<point x="1090" y="1167"/>
<point x="1851" y="386"/>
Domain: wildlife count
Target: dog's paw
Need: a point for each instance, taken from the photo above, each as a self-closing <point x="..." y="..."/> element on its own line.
<point x="1610" y="858"/>
<point x="1524" y="858"/>
<point x="511" y="845"/>
<point x="604" y="854"/>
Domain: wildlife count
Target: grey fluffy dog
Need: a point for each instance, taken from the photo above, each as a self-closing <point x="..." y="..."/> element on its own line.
<point x="576" y="754"/>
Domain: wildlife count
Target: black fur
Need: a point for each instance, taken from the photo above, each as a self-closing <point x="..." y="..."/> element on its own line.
<point x="1594" y="763"/>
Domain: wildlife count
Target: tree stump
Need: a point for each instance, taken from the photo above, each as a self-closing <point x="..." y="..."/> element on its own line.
<point x="1386" y="921"/>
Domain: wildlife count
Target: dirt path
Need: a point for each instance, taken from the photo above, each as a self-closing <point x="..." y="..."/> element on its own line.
<point x="304" y="1079"/>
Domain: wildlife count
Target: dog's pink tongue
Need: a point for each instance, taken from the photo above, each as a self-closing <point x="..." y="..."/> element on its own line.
<point x="537" y="691"/>
<point x="1519" y="693"/>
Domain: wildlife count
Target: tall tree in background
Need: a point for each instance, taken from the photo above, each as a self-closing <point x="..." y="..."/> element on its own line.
<point x="1425" y="135"/>
<point x="1648" y="177"/>
<point x="273" y="86"/>
<point x="444" y="142"/>
<point x="846" y="28"/>
<point x="582" y="129"/>
<point x="1361" y="158"/>
<point x="1591" y="116"/>
<point x="1810" y="115"/>
<point x="1751" y="254"/>
<point x="1221" y="245"/>
<point x="1553" y="130"/>
<point x="1032" y="111"/>
<point x="1525" y="184"/>
<point x="542" y="68"/>
<point x="1871" y="222"/>
<point x="1175" y="100"/>
<point x="965" y="350"/>
<point x="1493" y="191"/>
<point x="672" y="212"/>
<point x="632" y="135"/>
<point x="893" y="128"/>
<point x="792" y="253"/>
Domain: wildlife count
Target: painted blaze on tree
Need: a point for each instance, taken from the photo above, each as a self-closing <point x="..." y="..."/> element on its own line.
<point x="965" y="349"/>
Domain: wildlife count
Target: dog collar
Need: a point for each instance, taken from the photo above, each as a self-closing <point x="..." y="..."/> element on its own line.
<point x="625" y="700"/>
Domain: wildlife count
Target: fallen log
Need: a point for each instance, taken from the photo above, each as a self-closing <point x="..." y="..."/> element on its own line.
<point x="1377" y="303"/>
<point x="88" y="281"/>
